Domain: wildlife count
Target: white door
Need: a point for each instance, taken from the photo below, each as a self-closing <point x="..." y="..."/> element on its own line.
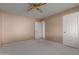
<point x="78" y="32"/>
<point x="38" y="31"/>
<point x="70" y="30"/>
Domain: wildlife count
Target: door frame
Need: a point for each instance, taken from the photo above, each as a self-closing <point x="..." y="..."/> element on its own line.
<point x="43" y="25"/>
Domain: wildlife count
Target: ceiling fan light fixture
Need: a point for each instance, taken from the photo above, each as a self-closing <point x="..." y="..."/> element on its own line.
<point x="36" y="6"/>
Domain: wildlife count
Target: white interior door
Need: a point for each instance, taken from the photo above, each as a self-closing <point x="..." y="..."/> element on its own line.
<point x="78" y="31"/>
<point x="38" y="31"/>
<point x="70" y="30"/>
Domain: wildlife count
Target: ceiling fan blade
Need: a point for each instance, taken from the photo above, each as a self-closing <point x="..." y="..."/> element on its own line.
<point x="39" y="10"/>
<point x="30" y="9"/>
<point x="42" y="4"/>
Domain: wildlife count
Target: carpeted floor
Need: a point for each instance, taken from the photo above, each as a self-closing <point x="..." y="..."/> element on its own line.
<point x="34" y="47"/>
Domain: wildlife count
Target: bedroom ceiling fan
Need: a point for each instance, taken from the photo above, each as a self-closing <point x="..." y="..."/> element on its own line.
<point x="35" y="6"/>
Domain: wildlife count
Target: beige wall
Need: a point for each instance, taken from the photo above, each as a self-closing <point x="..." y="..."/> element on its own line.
<point x="15" y="28"/>
<point x="54" y="25"/>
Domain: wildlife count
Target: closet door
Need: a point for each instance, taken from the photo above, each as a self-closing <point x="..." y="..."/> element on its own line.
<point x="70" y="30"/>
<point x="78" y="31"/>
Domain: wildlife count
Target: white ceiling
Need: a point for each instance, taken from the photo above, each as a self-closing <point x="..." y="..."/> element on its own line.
<point x="48" y="9"/>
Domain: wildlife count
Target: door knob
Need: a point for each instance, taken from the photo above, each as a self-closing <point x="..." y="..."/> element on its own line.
<point x="64" y="32"/>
